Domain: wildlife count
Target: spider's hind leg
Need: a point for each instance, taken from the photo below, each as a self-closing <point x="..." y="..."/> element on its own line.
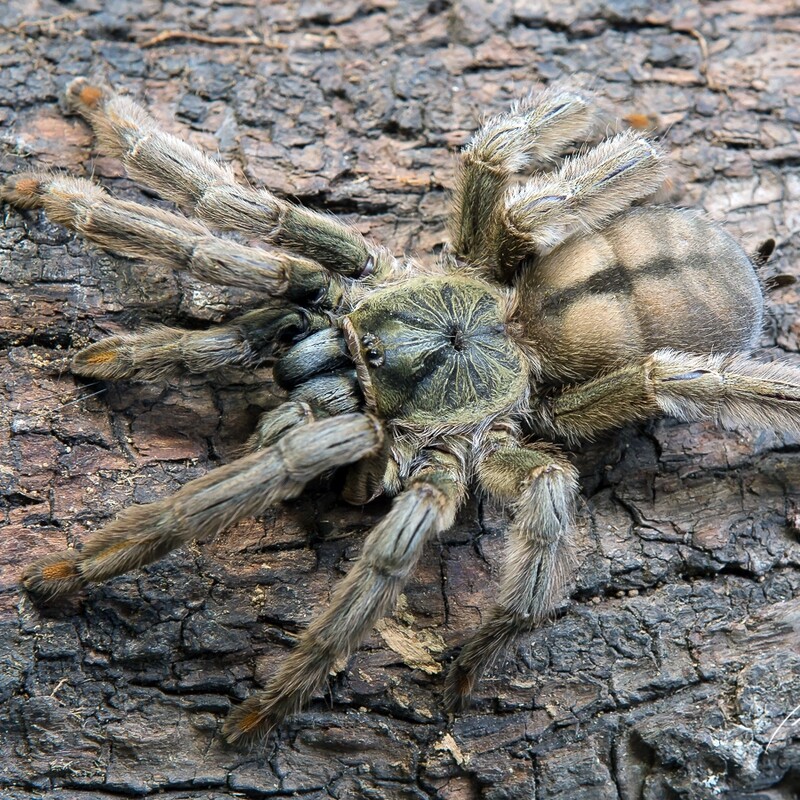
<point x="732" y="390"/>
<point x="581" y="196"/>
<point x="541" y="486"/>
<point x="533" y="134"/>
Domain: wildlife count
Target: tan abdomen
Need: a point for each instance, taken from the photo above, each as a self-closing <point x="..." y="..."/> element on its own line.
<point x="655" y="277"/>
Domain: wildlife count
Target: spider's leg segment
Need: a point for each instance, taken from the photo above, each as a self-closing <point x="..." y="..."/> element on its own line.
<point x="541" y="486"/>
<point x="135" y="230"/>
<point x="321" y="352"/>
<point x="277" y="422"/>
<point x="158" y="352"/>
<point x="181" y="173"/>
<point x="321" y="380"/>
<point x="733" y="390"/>
<point x="534" y="133"/>
<point x="584" y="193"/>
<point x="139" y="231"/>
<point x="208" y="505"/>
<point x="319" y="371"/>
<point x="324" y="396"/>
<point x="368" y="592"/>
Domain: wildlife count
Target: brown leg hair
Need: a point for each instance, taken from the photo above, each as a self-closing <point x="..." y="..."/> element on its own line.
<point x="370" y="590"/>
<point x="139" y="231"/>
<point x="533" y="134"/>
<point x="582" y="195"/>
<point x="161" y="351"/>
<point x="732" y="390"/>
<point x="541" y="486"/>
<point x="206" y="506"/>
<point x="181" y="173"/>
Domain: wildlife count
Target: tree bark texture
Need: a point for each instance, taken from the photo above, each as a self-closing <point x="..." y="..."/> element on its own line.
<point x="673" y="670"/>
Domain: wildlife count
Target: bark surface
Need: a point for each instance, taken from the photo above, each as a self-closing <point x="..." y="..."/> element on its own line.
<point x="674" y="669"/>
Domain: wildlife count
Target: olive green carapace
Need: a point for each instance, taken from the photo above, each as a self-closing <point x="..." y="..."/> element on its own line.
<point x="563" y="310"/>
<point x="437" y="352"/>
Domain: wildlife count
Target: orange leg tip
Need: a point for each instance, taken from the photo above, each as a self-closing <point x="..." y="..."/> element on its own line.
<point x="24" y="191"/>
<point x="59" y="571"/>
<point x="99" y="357"/>
<point x="464" y="684"/>
<point x="53" y="576"/>
<point x="90" y="95"/>
<point x="249" y="722"/>
<point x="244" y="725"/>
<point x="641" y="121"/>
<point x="27" y="187"/>
<point x="458" y="692"/>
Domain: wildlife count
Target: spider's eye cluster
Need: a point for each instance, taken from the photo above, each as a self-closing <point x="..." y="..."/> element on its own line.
<point x="372" y="349"/>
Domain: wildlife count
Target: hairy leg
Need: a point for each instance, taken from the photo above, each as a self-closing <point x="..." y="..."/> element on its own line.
<point x="733" y="390"/>
<point x="277" y="422"/>
<point x="181" y="173"/>
<point x="158" y="352"/>
<point x="540" y="485"/>
<point x="323" y="396"/>
<point x="208" y="505"/>
<point x="581" y="196"/>
<point x="139" y="231"/>
<point x="534" y="133"/>
<point x="369" y="591"/>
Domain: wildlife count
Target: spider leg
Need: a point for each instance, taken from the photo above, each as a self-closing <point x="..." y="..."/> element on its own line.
<point x="540" y="485"/>
<point x="207" y="505"/>
<point x="319" y="376"/>
<point x="534" y="133"/>
<point x="733" y="390"/>
<point x="323" y="396"/>
<point x="585" y="192"/>
<point x="139" y="231"/>
<point x="368" y="592"/>
<point x="181" y="173"/>
<point x="277" y="422"/>
<point x="158" y="352"/>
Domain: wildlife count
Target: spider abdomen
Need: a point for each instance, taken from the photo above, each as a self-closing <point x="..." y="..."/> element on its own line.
<point x="653" y="278"/>
<point x="435" y="350"/>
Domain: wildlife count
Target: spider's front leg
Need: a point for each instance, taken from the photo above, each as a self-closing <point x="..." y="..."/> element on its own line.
<point x="139" y="231"/>
<point x="208" y="505"/>
<point x="181" y="173"/>
<point x="541" y="486"/>
<point x="368" y="592"/>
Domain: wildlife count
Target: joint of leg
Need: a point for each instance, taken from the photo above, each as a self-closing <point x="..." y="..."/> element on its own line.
<point x="308" y="282"/>
<point x="494" y="164"/>
<point x="368" y="268"/>
<point x="545" y="472"/>
<point x="665" y="367"/>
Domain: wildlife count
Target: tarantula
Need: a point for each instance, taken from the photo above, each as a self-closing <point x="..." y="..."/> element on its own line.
<point x="563" y="311"/>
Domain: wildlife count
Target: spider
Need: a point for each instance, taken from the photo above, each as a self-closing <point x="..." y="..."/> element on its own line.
<point x="565" y="309"/>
